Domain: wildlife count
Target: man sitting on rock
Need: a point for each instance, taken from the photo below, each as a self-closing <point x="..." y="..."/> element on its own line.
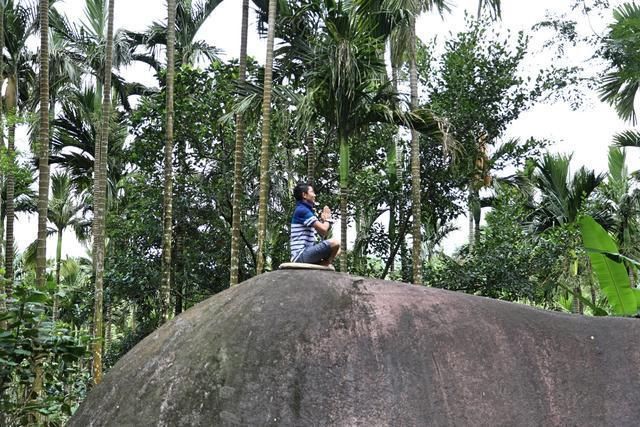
<point x="305" y="227"/>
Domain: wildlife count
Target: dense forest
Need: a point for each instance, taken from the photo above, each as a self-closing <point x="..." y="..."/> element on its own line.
<point x="182" y="189"/>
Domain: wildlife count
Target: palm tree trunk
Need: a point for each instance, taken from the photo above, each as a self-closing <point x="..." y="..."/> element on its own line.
<point x="415" y="162"/>
<point x="1" y="135"/>
<point x="474" y="217"/>
<point x="43" y="169"/>
<point x="180" y="283"/>
<point x="311" y="159"/>
<point x="239" y="155"/>
<point x="344" y="191"/>
<point x="394" y="167"/>
<point x="266" y="136"/>
<point x="99" y="191"/>
<point x="576" y="303"/>
<point x="58" y="265"/>
<point x="43" y="149"/>
<point x="167" y="229"/>
<point x="11" y="95"/>
<point x="107" y="328"/>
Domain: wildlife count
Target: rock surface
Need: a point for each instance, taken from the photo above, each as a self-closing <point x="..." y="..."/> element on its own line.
<point x="321" y="348"/>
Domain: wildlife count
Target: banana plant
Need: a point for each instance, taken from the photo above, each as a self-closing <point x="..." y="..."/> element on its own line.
<point x="607" y="263"/>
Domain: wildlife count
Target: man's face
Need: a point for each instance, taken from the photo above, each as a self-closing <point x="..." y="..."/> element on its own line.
<point x="309" y="196"/>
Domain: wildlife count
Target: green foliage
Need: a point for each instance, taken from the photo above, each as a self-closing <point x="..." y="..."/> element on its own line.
<point x="24" y="179"/>
<point x="620" y="85"/>
<point x="203" y="162"/>
<point x="611" y="273"/>
<point x="476" y="84"/>
<point x="508" y="262"/>
<point x="32" y="343"/>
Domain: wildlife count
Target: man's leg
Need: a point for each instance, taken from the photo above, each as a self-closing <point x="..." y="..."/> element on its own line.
<point x="334" y="244"/>
<point x="316" y="254"/>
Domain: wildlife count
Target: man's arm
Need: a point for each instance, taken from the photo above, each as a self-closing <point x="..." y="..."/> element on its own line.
<point x="323" y="226"/>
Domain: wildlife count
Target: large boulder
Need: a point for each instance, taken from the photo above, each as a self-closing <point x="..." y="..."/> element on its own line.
<point x="321" y="348"/>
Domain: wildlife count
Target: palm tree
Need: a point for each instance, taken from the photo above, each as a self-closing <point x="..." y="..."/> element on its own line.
<point x="1" y="111"/>
<point x="424" y="5"/>
<point x="190" y="16"/>
<point x="100" y="202"/>
<point x="266" y="134"/>
<point x="19" y="22"/>
<point x="623" y="201"/>
<point x="563" y="198"/>
<point x="239" y="154"/>
<point x="84" y="45"/>
<point x="167" y="231"/>
<point x="77" y="127"/>
<point x="43" y="140"/>
<point x="621" y="84"/>
<point x="63" y="210"/>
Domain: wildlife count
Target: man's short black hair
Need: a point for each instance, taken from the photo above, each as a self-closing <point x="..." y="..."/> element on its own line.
<point x="302" y="187"/>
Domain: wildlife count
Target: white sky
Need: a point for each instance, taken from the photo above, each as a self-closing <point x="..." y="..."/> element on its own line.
<point x="587" y="132"/>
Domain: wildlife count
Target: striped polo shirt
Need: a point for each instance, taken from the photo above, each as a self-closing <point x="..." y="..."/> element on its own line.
<point x="302" y="232"/>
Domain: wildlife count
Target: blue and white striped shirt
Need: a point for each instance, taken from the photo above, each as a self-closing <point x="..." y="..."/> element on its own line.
<point x="302" y="232"/>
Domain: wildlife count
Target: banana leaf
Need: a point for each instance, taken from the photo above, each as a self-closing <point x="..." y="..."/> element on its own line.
<point x="611" y="273"/>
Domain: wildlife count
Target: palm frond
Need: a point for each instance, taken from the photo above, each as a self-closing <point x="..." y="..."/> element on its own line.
<point x="627" y="138"/>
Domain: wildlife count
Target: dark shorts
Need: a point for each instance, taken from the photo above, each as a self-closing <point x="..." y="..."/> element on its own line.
<point x="316" y="253"/>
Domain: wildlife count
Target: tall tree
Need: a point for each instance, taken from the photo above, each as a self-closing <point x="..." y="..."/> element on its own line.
<point x="266" y="136"/>
<point x="2" y="7"/>
<point x="239" y="154"/>
<point x="562" y="199"/>
<point x="63" y="209"/>
<point x="11" y="98"/>
<point x="99" y="197"/>
<point x="43" y="148"/>
<point x="415" y="160"/>
<point x="20" y="22"/>
<point x="167" y="230"/>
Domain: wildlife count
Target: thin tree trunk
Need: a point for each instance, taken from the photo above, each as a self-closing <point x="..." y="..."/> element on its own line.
<point x="266" y="136"/>
<point x="311" y="159"/>
<point x="239" y="155"/>
<point x="356" y="252"/>
<point x="58" y="265"/>
<point x="167" y="229"/>
<point x="99" y="191"/>
<point x="394" y="249"/>
<point x="11" y="95"/>
<point x="43" y="175"/>
<point x="471" y="219"/>
<point x="344" y="199"/>
<point x="576" y="303"/>
<point x="179" y="267"/>
<point x="43" y="149"/>
<point x="395" y="172"/>
<point x="415" y="162"/>
<point x="2" y="303"/>
<point x="107" y="326"/>
<point x="405" y="265"/>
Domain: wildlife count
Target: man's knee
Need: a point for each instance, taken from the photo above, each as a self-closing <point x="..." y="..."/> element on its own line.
<point x="334" y="243"/>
